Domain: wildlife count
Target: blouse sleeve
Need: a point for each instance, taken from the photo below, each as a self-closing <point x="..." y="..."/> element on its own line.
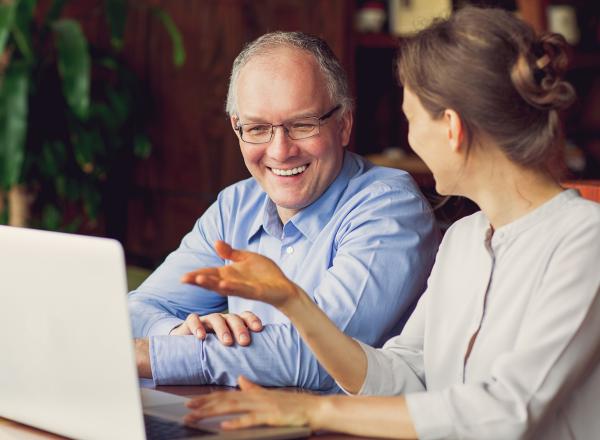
<point x="397" y="367"/>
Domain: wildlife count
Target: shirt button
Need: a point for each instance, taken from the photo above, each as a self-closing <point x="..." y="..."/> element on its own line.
<point x="289" y="250"/>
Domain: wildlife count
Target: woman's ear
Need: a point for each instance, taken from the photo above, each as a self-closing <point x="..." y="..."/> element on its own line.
<point x="456" y="130"/>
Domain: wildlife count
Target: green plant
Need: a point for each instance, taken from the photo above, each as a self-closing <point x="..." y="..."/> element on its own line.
<point x="72" y="115"/>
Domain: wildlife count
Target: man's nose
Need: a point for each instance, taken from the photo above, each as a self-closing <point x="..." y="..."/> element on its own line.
<point x="281" y="146"/>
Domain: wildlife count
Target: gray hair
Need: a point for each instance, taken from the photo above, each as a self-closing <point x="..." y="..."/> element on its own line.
<point x="335" y="76"/>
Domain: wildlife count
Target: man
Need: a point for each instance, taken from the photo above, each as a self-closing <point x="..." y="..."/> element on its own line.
<point x="360" y="239"/>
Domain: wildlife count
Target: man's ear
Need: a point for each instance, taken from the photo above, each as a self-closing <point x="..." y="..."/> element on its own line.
<point x="346" y="122"/>
<point x="234" y="122"/>
<point x="456" y="130"/>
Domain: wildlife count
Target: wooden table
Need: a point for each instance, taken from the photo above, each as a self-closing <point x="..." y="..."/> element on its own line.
<point x="17" y="431"/>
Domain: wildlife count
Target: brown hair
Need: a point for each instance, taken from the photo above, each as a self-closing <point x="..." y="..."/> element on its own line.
<point x="493" y="70"/>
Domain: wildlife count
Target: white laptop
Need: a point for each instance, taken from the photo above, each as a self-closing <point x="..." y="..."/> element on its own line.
<point x="66" y="355"/>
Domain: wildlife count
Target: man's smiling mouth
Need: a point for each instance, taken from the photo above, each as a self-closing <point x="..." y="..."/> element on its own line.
<point x="290" y="172"/>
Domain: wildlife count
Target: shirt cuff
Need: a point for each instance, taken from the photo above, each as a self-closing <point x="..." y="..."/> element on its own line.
<point x="370" y="360"/>
<point x="163" y="326"/>
<point x="176" y="360"/>
<point x="429" y="415"/>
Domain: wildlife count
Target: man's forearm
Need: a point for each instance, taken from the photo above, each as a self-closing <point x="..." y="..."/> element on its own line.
<point x="276" y="357"/>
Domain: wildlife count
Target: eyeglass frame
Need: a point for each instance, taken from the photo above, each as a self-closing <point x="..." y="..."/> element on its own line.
<point x="319" y="119"/>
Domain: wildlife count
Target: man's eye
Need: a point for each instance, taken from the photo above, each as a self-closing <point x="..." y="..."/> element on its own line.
<point x="303" y="126"/>
<point x="258" y="129"/>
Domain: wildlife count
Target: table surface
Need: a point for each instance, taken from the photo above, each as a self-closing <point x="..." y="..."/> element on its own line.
<point x="17" y="431"/>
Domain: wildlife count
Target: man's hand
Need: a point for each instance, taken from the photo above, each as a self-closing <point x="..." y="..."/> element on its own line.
<point x="142" y="357"/>
<point x="222" y="324"/>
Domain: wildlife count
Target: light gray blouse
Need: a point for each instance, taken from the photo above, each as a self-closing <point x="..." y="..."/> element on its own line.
<point x="530" y="292"/>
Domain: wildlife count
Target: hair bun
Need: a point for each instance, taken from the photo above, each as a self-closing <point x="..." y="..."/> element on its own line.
<point x="538" y="73"/>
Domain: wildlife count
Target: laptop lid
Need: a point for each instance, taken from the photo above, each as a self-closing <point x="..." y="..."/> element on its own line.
<point x="65" y="341"/>
<point x="68" y="364"/>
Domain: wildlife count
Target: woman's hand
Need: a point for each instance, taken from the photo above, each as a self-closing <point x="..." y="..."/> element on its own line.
<point x="222" y="324"/>
<point x="258" y="405"/>
<point x="250" y="275"/>
<point x="366" y="416"/>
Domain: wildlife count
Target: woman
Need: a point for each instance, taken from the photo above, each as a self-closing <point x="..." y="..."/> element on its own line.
<point x="504" y="342"/>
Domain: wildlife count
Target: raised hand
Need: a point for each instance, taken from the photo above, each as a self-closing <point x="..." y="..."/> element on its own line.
<point x="222" y="324"/>
<point x="250" y="275"/>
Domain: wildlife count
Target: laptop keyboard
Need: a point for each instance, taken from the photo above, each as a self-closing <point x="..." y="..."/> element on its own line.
<point x="161" y="429"/>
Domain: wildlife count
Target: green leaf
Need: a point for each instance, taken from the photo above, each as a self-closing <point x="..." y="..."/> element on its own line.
<point x="120" y="105"/>
<point x="22" y="27"/>
<point x="72" y="189"/>
<point x="73" y="65"/>
<point x="51" y="217"/>
<point x="55" y="10"/>
<point x="4" y="212"/>
<point x="13" y="123"/>
<point x="74" y="225"/>
<point x="24" y="18"/>
<point x="52" y="159"/>
<point x="174" y="35"/>
<point x="88" y="145"/>
<point x="7" y="17"/>
<point x="142" y="147"/>
<point x="116" y="15"/>
<point x="91" y="201"/>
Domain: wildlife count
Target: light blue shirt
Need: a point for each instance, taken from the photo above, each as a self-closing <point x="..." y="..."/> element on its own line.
<point x="362" y="251"/>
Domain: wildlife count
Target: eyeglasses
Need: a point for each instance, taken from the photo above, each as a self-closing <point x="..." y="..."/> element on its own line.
<point x="297" y="129"/>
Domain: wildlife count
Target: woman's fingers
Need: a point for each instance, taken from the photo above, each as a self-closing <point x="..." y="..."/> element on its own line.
<point x="226" y="252"/>
<point x="247" y="385"/>
<point x="223" y="250"/>
<point x="245" y="421"/>
<point x="190" y="277"/>
<point x="218" y="403"/>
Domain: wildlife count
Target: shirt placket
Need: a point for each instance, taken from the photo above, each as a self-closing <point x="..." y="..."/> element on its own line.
<point x="486" y="282"/>
<point x="288" y="251"/>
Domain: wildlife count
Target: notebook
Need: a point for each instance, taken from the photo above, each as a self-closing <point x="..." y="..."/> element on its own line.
<point x="67" y="361"/>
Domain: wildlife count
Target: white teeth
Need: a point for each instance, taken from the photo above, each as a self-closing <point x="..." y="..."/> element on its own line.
<point x="291" y="172"/>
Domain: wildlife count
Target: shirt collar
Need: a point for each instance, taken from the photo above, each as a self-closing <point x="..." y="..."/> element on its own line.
<point x="262" y="216"/>
<point x="312" y="219"/>
<point x="543" y="212"/>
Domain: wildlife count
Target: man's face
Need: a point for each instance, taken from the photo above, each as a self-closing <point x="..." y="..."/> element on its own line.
<point x="278" y="88"/>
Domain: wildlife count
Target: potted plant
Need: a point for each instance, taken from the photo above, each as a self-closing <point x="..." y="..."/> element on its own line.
<point x="72" y="115"/>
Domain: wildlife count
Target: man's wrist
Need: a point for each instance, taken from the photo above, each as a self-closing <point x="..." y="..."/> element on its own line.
<point x="142" y="356"/>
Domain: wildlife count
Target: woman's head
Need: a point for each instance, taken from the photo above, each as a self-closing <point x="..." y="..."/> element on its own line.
<point x="503" y="81"/>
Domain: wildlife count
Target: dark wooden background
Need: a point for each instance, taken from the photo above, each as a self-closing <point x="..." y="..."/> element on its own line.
<point x="195" y="152"/>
